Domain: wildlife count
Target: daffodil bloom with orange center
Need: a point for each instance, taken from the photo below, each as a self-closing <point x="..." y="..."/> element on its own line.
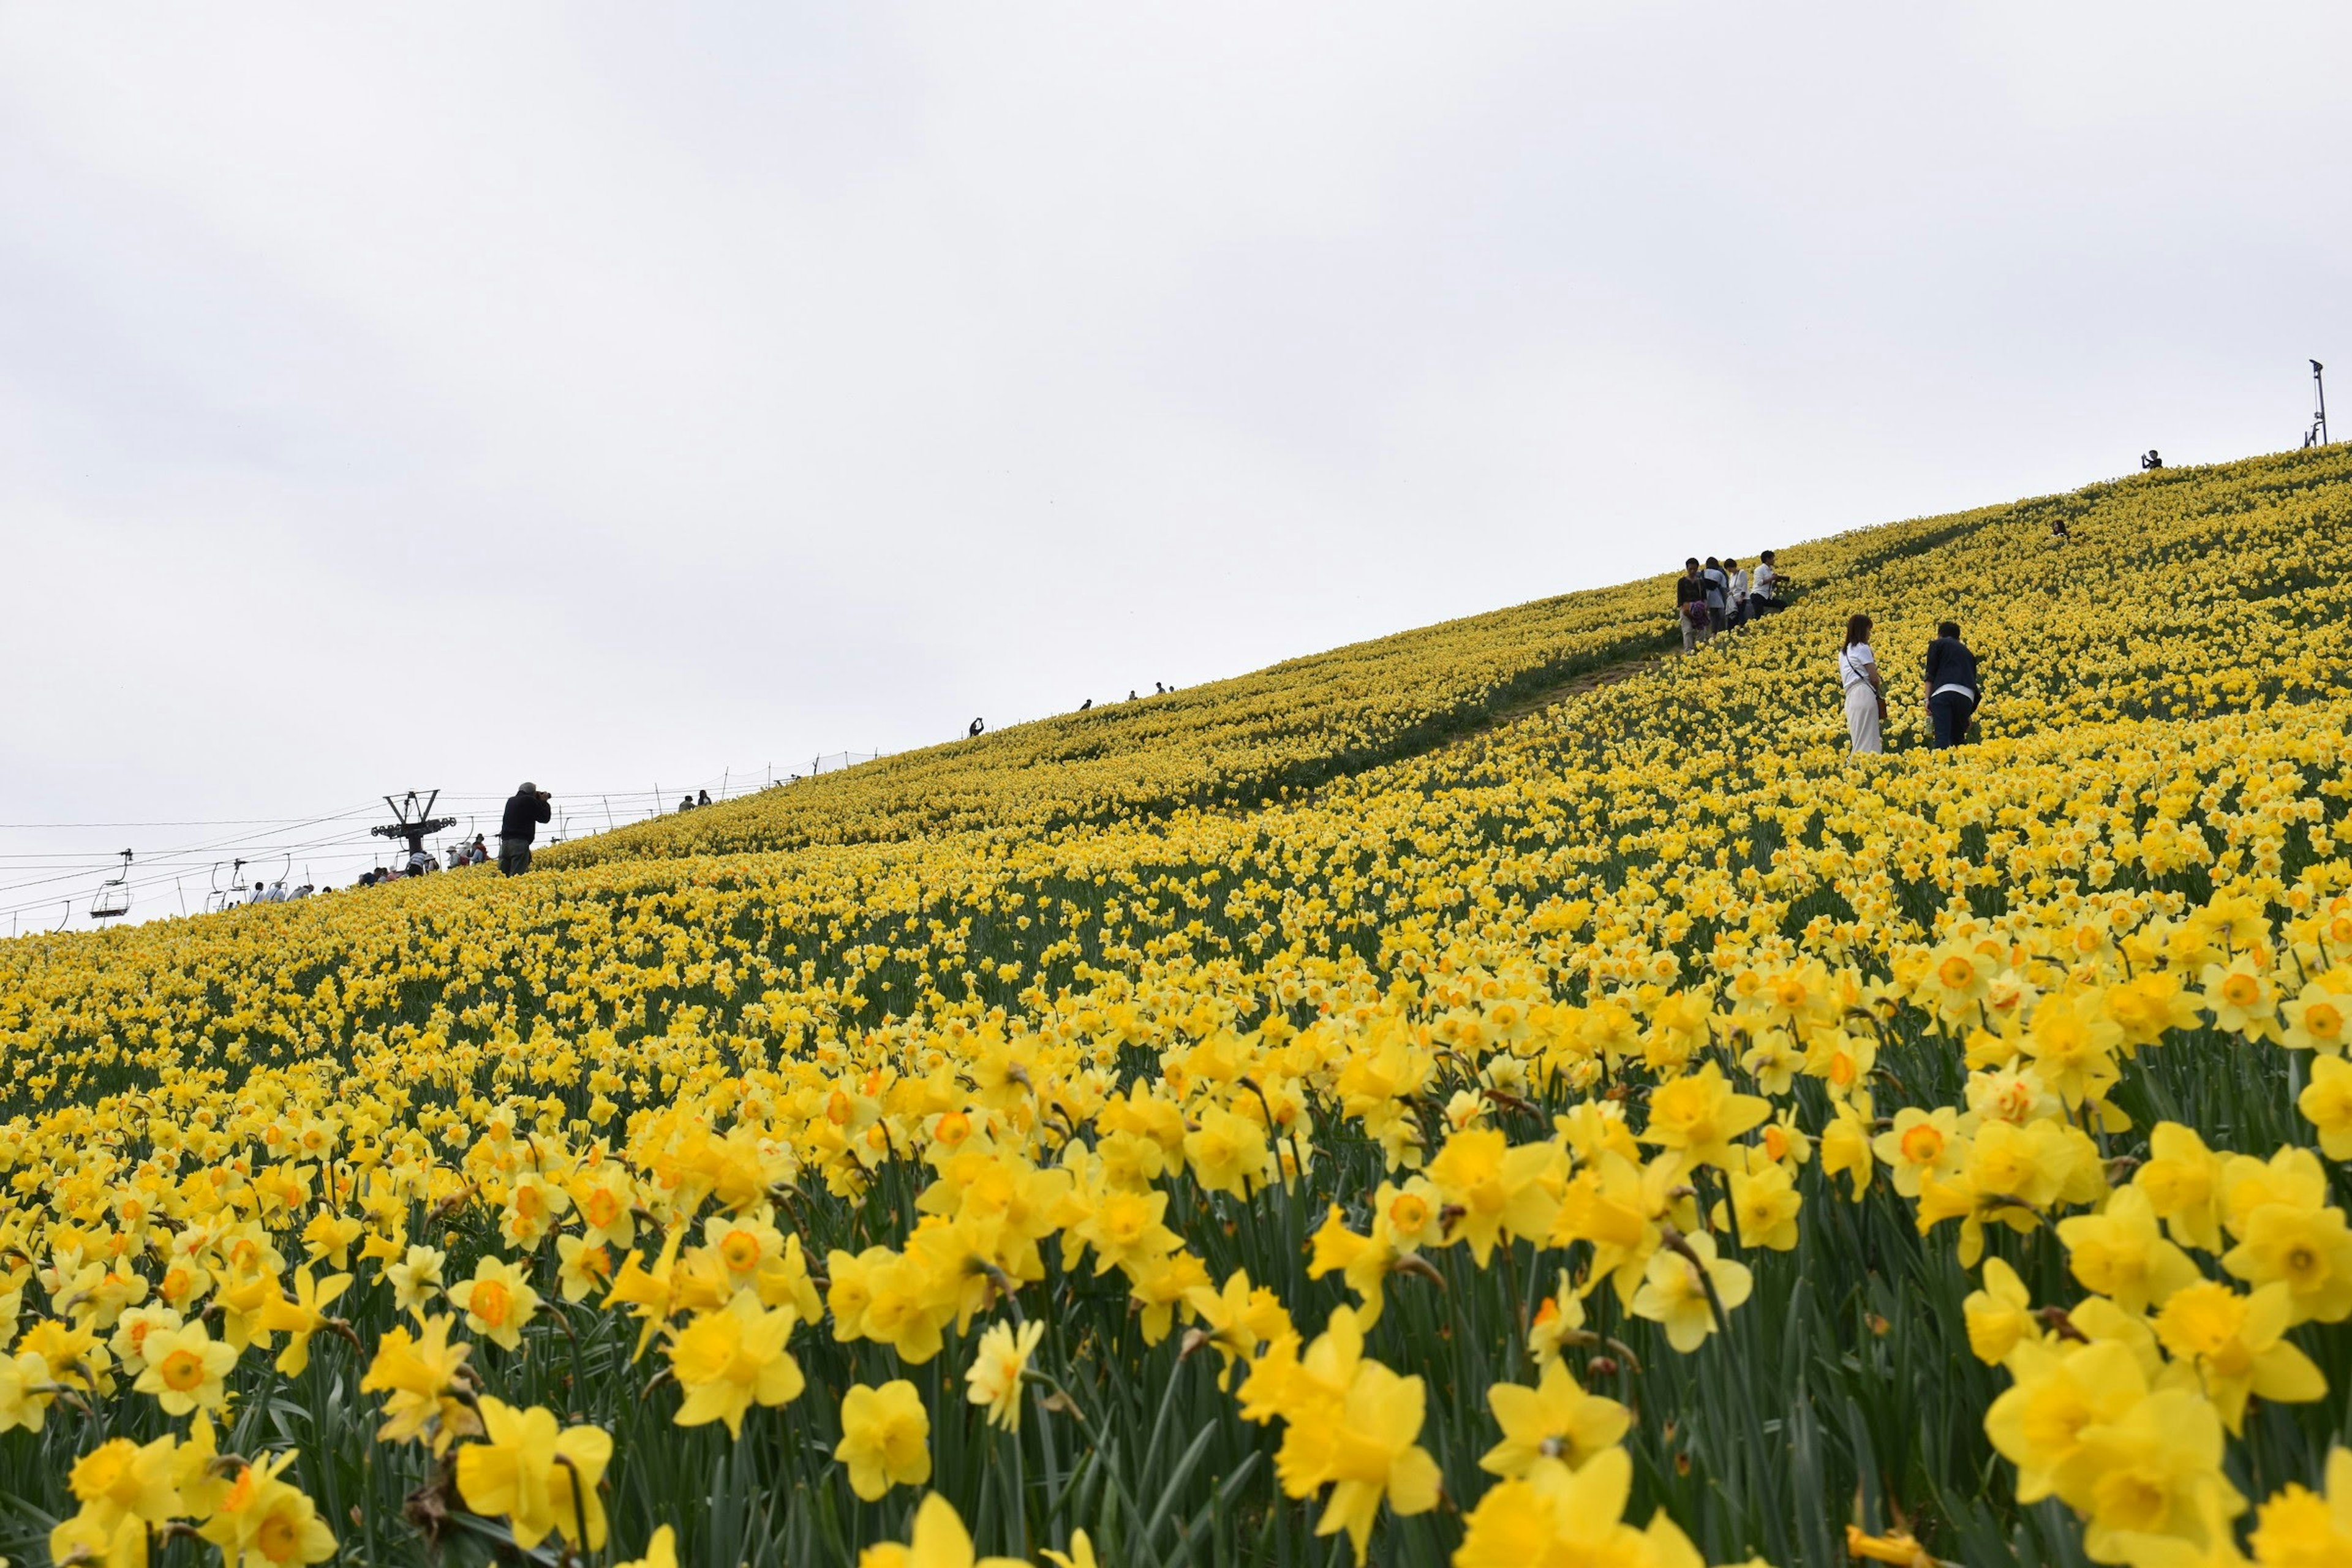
<point x="186" y="1369"/>
<point x="2317" y="1020"/>
<point x="498" y="1302"/>
<point x="265" y="1523"/>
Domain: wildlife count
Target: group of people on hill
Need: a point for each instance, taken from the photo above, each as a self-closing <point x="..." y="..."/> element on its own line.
<point x="518" y="825"/>
<point x="1950" y="684"/>
<point x="423" y="862"/>
<point x="1723" y="594"/>
<point x="1157" y="689"/>
<point x="1713" y="596"/>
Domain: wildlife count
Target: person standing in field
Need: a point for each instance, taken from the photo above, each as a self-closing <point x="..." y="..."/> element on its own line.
<point x="1865" y="698"/>
<point x="1718" y="590"/>
<point x="1739" y="580"/>
<point x="1763" y="587"/>
<point x="1690" y="606"/>
<point x="524" y="813"/>
<point x="1953" y="691"/>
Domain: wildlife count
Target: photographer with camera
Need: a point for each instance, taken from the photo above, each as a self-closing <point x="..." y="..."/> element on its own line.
<point x="524" y="813"/>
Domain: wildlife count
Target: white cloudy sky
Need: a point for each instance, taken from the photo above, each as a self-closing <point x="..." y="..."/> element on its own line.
<point x="617" y="394"/>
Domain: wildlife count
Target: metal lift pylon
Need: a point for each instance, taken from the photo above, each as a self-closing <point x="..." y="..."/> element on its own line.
<point x="412" y="822"/>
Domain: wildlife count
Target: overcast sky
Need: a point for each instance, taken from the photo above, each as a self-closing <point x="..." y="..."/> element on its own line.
<point x="614" y="394"/>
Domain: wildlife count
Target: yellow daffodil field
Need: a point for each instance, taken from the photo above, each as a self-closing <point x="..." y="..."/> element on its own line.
<point x="1401" y="1106"/>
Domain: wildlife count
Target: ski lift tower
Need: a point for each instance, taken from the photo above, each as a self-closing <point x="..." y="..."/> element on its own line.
<point x="412" y="822"/>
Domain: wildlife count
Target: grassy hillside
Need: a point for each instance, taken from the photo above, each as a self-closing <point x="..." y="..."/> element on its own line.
<point x="1239" y="743"/>
<point x="1944" y="1145"/>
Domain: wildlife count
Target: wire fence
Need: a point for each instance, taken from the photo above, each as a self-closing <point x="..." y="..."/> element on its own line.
<point x="55" y="889"/>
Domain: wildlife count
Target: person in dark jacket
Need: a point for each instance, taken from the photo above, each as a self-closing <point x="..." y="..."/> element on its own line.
<point x="1953" y="691"/>
<point x="524" y="813"/>
<point x="1690" y="606"/>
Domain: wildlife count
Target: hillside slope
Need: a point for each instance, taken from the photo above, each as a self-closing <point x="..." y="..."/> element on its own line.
<point x="1590" y="1054"/>
<point x="1234" y="743"/>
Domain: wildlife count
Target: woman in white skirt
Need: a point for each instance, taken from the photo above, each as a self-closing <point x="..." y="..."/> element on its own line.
<point x="1865" y="698"/>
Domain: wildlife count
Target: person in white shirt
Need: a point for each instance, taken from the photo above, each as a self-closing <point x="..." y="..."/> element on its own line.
<point x="1865" y="698"/>
<point x="1764" y="586"/>
<point x="1740" y="582"/>
<point x="1719" y="590"/>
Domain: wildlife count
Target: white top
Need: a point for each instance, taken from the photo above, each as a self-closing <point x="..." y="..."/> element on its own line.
<point x="1763" y="578"/>
<point x="1739" y="583"/>
<point x="1852" y="662"/>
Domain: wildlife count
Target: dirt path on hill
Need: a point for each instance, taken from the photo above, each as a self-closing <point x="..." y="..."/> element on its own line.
<point x="1545" y="697"/>
<point x="1520" y="707"/>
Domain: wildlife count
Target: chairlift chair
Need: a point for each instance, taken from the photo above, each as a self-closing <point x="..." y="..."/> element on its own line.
<point x="113" y="896"/>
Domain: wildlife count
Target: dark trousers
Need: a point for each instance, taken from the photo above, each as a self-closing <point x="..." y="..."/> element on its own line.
<point x="1951" y="711"/>
<point x="514" y="856"/>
